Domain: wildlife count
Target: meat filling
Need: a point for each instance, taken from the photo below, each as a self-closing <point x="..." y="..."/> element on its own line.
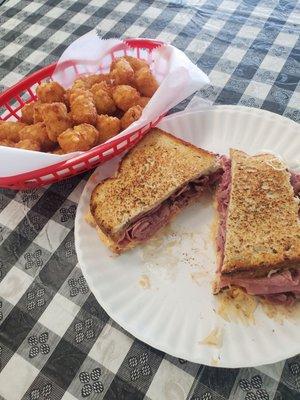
<point x="151" y="222"/>
<point x="282" y="287"/>
<point x="295" y="182"/>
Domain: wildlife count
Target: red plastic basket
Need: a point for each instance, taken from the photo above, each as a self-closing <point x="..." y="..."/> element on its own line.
<point x="14" y="98"/>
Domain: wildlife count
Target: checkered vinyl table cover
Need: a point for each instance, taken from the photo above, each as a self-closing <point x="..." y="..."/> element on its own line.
<point x="56" y="342"/>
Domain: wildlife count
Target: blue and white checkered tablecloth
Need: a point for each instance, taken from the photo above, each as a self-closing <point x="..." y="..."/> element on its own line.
<point x="56" y="342"/>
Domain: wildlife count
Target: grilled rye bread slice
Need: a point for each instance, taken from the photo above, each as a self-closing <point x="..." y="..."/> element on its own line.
<point x="262" y="226"/>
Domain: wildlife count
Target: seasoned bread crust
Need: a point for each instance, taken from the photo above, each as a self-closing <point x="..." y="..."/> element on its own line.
<point x="263" y="227"/>
<point x="113" y="246"/>
<point x="149" y="173"/>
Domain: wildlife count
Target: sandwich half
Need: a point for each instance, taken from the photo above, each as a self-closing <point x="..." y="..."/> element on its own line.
<point x="258" y="240"/>
<point x="156" y="179"/>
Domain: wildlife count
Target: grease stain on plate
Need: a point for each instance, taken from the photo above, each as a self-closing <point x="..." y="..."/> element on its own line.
<point x="144" y="282"/>
<point x="234" y="305"/>
<point x="281" y="313"/>
<point x="199" y="277"/>
<point x="214" y="338"/>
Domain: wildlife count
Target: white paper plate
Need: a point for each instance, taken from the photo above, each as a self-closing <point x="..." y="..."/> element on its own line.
<point x="178" y="311"/>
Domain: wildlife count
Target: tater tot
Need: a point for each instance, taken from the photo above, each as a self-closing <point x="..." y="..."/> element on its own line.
<point x="145" y="82"/>
<point x="103" y="101"/>
<point x="75" y="92"/>
<point x="77" y="89"/>
<point x="27" y="113"/>
<point x="125" y="96"/>
<point x="37" y="133"/>
<point x="107" y="127"/>
<point x="107" y="87"/>
<point x="80" y="138"/>
<point x="91" y="80"/>
<point x="7" y="143"/>
<point x="143" y="101"/>
<point x="83" y="108"/>
<point x="50" y="92"/>
<point x="136" y="63"/>
<point x="37" y="112"/>
<point x="11" y="130"/>
<point x="28" y="144"/>
<point x="78" y="84"/>
<point x="122" y="73"/>
<point x="131" y="115"/>
<point x="56" y="119"/>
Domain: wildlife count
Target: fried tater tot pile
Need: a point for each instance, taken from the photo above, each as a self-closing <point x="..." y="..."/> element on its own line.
<point x="94" y="109"/>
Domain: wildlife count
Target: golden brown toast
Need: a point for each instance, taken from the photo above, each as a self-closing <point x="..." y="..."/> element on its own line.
<point x="263" y="227"/>
<point x="149" y="173"/>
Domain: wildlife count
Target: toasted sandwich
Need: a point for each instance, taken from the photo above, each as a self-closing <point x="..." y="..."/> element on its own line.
<point x="258" y="239"/>
<point x="156" y="179"/>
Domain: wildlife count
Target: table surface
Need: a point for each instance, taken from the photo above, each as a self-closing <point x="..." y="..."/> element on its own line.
<point x="55" y="339"/>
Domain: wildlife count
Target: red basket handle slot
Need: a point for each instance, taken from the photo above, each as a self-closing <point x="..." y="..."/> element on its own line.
<point x="31" y="79"/>
<point x="102" y="148"/>
<point x="143" y="43"/>
<point x="38" y="173"/>
<point x="26" y="83"/>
